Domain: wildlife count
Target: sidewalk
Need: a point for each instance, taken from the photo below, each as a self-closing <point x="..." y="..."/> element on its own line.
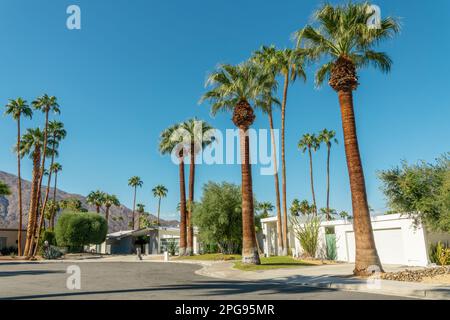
<point x="328" y="276"/>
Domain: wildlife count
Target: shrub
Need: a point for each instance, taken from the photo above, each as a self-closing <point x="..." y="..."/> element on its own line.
<point x="77" y="229"/>
<point x="440" y="254"/>
<point x="308" y="234"/>
<point x="52" y="253"/>
<point x="10" y="251"/>
<point x="172" y="247"/>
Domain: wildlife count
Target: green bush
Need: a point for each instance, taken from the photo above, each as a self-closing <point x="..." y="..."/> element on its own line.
<point x="77" y="229"/>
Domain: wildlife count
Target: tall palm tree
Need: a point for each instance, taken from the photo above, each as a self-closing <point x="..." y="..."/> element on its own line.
<point x="17" y="109"/>
<point x="140" y="209"/>
<point x="135" y="182"/>
<point x="4" y="189"/>
<point x="344" y="38"/>
<point x="56" y="133"/>
<point x="171" y="142"/>
<point x="328" y="137"/>
<point x="310" y="143"/>
<point x="110" y="200"/>
<point x="31" y="144"/>
<point x="263" y="58"/>
<point x="159" y="192"/>
<point x="198" y="136"/>
<point x="289" y="64"/>
<point x="96" y="199"/>
<point x="55" y="168"/>
<point x="234" y="88"/>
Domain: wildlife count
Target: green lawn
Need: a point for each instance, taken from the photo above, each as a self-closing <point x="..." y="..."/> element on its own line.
<point x="274" y="263"/>
<point x="213" y="257"/>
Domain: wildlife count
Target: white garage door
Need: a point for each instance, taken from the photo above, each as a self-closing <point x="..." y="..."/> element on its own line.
<point x="389" y="244"/>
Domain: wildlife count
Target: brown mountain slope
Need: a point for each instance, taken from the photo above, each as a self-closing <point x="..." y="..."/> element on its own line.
<point x="9" y="207"/>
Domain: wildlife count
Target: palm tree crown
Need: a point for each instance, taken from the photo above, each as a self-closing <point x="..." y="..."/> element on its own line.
<point x="33" y="139"/>
<point x="328" y="137"/>
<point x="96" y="198"/>
<point x="110" y="200"/>
<point x="233" y="85"/>
<point x="46" y="104"/>
<point x="56" y="167"/>
<point x="309" y="142"/>
<point x="135" y="182"/>
<point x="160" y="191"/>
<point x="17" y="108"/>
<point x="343" y="35"/>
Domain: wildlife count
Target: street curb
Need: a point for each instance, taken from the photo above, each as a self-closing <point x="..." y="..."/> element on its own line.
<point x="436" y="293"/>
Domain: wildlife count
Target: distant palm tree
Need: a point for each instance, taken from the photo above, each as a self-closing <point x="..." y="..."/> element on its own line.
<point x="159" y="192"/>
<point x="198" y="135"/>
<point x="302" y="207"/>
<point x="264" y="208"/>
<point x="54" y="168"/>
<point x="17" y="109"/>
<point x="96" y="199"/>
<point x="289" y="64"/>
<point x="31" y="144"/>
<point x="4" y="189"/>
<point x="344" y="37"/>
<point x="135" y="182"/>
<point x="171" y="142"/>
<point x="263" y="58"/>
<point x="310" y="142"/>
<point x="328" y="137"/>
<point x="56" y="133"/>
<point x="110" y="200"/>
<point x="233" y="89"/>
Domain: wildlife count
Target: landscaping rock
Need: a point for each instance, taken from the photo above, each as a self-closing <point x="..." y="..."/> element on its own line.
<point x="416" y="275"/>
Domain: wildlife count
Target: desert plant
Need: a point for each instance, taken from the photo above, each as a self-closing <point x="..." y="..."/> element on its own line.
<point x="307" y="232"/>
<point x="440" y="254"/>
<point x="172" y="247"/>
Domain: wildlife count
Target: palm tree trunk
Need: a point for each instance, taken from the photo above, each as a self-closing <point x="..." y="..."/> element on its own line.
<point x="44" y="153"/>
<point x="134" y="208"/>
<point x="277" y="185"/>
<point x="159" y="209"/>
<point x="250" y="254"/>
<point x="47" y="192"/>
<point x="312" y="181"/>
<point x="283" y="164"/>
<point x="34" y="198"/>
<point x="183" y="238"/>
<point x="190" y="227"/>
<point x="107" y="217"/>
<point x="52" y="223"/>
<point x="328" y="184"/>
<point x="366" y="252"/>
<point x="19" y="189"/>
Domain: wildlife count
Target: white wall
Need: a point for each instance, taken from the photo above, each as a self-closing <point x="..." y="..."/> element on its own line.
<point x="397" y="240"/>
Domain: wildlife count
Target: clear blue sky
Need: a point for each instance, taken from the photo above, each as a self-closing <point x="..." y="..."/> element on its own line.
<point x="138" y="66"/>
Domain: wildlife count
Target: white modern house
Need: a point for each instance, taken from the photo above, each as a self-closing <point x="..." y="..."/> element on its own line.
<point x="126" y="242"/>
<point x="397" y="239"/>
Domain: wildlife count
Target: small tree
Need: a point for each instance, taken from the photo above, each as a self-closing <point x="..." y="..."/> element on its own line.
<point x="219" y="217"/>
<point x="76" y="229"/>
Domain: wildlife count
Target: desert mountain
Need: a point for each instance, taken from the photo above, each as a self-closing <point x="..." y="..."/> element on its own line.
<point x="9" y="206"/>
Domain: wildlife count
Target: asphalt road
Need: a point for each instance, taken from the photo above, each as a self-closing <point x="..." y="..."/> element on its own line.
<point x="148" y="281"/>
